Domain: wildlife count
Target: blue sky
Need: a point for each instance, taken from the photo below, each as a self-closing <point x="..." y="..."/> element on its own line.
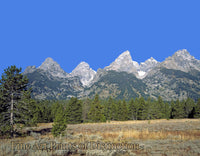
<point x="71" y="31"/>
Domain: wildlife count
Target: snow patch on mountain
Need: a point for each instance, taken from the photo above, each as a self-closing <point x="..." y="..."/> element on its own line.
<point x="85" y="73"/>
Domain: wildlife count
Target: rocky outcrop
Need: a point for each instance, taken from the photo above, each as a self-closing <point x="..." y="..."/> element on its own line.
<point x="84" y="72"/>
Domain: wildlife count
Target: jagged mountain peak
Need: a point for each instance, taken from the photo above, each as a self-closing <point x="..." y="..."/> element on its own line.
<point x="123" y="62"/>
<point x="149" y="61"/>
<point x="124" y="55"/>
<point x="49" y="59"/>
<point x="52" y="67"/>
<point x="184" y="54"/>
<point x="152" y="59"/>
<point x="181" y="60"/>
<point x="83" y="64"/>
<point x="85" y="73"/>
<point x="169" y="79"/>
<point x="48" y="63"/>
<point x="146" y="66"/>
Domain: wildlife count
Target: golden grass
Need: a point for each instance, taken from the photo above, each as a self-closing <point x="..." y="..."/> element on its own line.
<point x="146" y="134"/>
<point x="127" y="135"/>
<point x="154" y="121"/>
<point x="144" y="121"/>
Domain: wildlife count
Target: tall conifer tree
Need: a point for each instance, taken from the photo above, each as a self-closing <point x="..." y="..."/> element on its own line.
<point x="96" y="111"/>
<point x="59" y="124"/>
<point x="12" y="86"/>
<point x="197" y="109"/>
<point x="74" y="111"/>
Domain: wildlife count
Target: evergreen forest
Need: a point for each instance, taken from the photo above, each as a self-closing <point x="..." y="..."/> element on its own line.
<point x="19" y="109"/>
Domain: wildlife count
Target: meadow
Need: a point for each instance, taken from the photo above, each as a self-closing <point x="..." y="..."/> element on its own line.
<point x="154" y="137"/>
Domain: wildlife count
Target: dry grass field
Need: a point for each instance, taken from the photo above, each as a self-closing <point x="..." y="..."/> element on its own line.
<point x="153" y="137"/>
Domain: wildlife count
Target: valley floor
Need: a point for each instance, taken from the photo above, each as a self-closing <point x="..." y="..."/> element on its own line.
<point x="146" y="137"/>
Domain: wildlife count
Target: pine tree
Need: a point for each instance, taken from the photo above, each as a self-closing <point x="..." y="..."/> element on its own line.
<point x="188" y="106"/>
<point x="197" y="109"/>
<point x="154" y="110"/>
<point x="161" y="107"/>
<point x="54" y="108"/>
<point x="166" y="110"/>
<point x="124" y="115"/>
<point x="107" y="109"/>
<point x="132" y="110"/>
<point x="119" y="113"/>
<point x="74" y="111"/>
<point x="59" y="124"/>
<point x="148" y="108"/>
<point x="27" y="105"/>
<point x="113" y="111"/>
<point x="142" y="111"/>
<point x="85" y="109"/>
<point x="172" y="112"/>
<point x="12" y="87"/>
<point x="177" y="111"/>
<point x="96" y="111"/>
<point x="136" y="101"/>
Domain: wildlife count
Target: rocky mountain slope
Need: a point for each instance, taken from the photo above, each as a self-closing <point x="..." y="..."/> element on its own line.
<point x="123" y="63"/>
<point x="50" y="81"/>
<point x="178" y="76"/>
<point x="84" y="72"/>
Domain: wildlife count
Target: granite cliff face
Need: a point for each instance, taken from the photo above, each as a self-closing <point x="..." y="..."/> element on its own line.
<point x="147" y="66"/>
<point x="123" y="63"/>
<point x="84" y="72"/>
<point x="50" y="81"/>
<point x="178" y="76"/>
<point x="181" y="60"/>
<point x="53" y="68"/>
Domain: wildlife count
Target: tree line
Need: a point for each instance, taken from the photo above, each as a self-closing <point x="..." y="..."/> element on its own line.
<point x="18" y="109"/>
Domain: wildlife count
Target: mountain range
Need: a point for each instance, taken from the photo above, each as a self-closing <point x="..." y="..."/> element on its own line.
<point x="177" y="77"/>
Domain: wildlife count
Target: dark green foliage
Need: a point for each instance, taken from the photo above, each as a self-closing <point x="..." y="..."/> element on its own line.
<point x="113" y="111"/>
<point x="155" y="110"/>
<point x="166" y="111"/>
<point x="18" y="108"/>
<point x="161" y="107"/>
<point x="13" y="87"/>
<point x="124" y="111"/>
<point x="197" y="109"/>
<point x="148" y="108"/>
<point x="177" y="110"/>
<point x="142" y="109"/>
<point x="133" y="109"/>
<point x="74" y="111"/>
<point x="43" y="111"/>
<point x="85" y="109"/>
<point x="119" y="110"/>
<point x="96" y="111"/>
<point x="188" y="105"/>
<point x="54" y="108"/>
<point x="108" y="109"/>
<point x="26" y="109"/>
<point x="59" y="125"/>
